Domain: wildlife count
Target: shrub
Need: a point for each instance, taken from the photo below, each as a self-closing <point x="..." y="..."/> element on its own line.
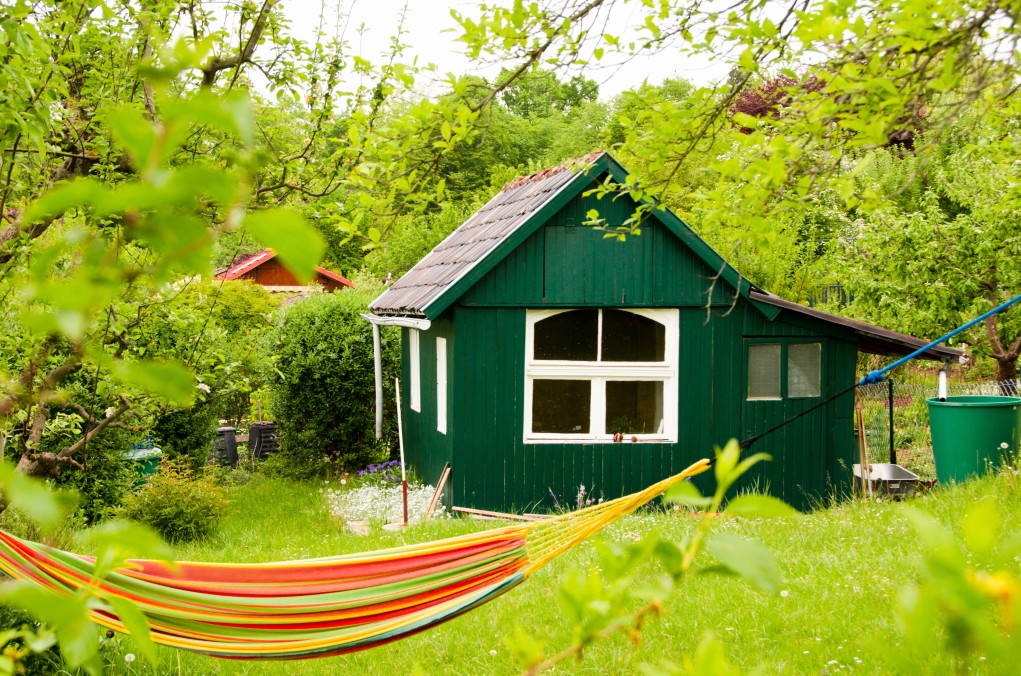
<point x="177" y="505"/>
<point x="323" y="385"/>
<point x="186" y="434"/>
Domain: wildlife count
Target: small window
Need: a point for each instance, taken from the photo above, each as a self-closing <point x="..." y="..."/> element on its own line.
<point x="804" y="367"/>
<point x="415" y="399"/>
<point x="441" y="385"/>
<point x="764" y="371"/>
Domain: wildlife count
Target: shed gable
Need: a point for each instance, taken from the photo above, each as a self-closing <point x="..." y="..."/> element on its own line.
<point x="565" y="263"/>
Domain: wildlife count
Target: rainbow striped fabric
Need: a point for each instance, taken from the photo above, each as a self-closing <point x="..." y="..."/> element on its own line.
<point x="320" y="607"/>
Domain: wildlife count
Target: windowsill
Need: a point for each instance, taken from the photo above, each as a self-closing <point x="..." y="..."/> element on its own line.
<point x="601" y="440"/>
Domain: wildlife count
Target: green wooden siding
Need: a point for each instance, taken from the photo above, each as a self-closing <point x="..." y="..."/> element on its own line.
<point x="495" y="469"/>
<point x="426" y="450"/>
<point x="566" y="264"/>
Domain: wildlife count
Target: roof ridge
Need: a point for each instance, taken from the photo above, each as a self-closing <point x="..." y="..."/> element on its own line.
<point x="576" y="163"/>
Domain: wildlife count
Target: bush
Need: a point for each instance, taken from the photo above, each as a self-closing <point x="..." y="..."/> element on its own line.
<point x="323" y="385"/>
<point x="178" y="506"/>
<point x="186" y="435"/>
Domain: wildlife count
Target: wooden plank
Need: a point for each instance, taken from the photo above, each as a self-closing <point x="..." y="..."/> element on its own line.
<point x="485" y="513"/>
<point x="439" y="491"/>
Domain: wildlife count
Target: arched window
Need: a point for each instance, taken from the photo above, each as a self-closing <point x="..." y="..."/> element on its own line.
<point x="594" y="373"/>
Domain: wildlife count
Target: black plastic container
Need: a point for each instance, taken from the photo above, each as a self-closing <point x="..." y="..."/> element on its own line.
<point x="263" y="439"/>
<point x="225" y="447"/>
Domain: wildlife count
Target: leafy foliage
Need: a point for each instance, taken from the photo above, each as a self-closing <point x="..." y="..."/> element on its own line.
<point x="323" y="382"/>
<point x="178" y="505"/>
<point x="185" y="435"/>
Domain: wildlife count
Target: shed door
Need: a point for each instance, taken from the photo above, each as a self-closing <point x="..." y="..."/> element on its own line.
<point x="784" y="377"/>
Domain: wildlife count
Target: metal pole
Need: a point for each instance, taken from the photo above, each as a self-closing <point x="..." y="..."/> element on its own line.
<point x="400" y="441"/>
<point x="893" y="449"/>
<point x="377" y="361"/>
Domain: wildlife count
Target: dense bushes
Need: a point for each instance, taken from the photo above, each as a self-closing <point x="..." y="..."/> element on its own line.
<point x="178" y="506"/>
<point x="323" y="385"/>
<point x="186" y="434"/>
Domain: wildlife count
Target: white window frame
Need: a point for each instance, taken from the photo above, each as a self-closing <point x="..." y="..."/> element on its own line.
<point x="415" y="369"/>
<point x="441" y="385"/>
<point x="600" y="372"/>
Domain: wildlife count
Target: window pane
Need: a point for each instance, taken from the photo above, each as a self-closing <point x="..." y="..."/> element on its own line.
<point x="561" y="406"/>
<point x="804" y="365"/>
<point x="763" y="371"/>
<point x="569" y="336"/>
<point x="634" y="407"/>
<point x="631" y="337"/>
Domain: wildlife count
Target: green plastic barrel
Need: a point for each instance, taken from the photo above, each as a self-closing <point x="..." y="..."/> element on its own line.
<point x="970" y="434"/>
<point x="147" y="461"/>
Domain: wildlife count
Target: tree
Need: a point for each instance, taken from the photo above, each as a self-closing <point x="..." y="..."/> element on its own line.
<point x="950" y="252"/>
<point x="126" y="165"/>
<point x="877" y="63"/>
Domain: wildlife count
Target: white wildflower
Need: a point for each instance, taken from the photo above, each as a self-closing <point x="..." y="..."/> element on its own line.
<point x="203" y="387"/>
<point x="129" y="658"/>
<point x="493" y="653"/>
<point x="784" y="593"/>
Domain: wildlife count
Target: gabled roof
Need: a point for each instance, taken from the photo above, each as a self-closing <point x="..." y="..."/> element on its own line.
<point x="521" y="208"/>
<point x="249" y="262"/>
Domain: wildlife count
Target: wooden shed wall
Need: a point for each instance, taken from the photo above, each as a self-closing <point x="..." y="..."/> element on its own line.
<point x="426" y="449"/>
<point x="569" y="264"/>
<point x="495" y="469"/>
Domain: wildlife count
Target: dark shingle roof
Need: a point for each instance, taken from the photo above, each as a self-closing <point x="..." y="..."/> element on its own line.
<point x="872" y="339"/>
<point x="476" y="238"/>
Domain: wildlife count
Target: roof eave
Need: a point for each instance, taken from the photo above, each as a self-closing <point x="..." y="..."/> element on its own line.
<point x="872" y="339"/>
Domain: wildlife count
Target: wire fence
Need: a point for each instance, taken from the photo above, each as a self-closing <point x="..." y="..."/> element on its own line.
<point x="900" y="407"/>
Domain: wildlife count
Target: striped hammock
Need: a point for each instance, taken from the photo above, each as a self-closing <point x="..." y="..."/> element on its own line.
<point x="326" y="606"/>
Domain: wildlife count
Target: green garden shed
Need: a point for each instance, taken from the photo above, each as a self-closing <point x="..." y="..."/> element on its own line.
<point x="540" y="357"/>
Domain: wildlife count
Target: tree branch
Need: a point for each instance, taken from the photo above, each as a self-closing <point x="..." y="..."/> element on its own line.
<point x="220" y="63"/>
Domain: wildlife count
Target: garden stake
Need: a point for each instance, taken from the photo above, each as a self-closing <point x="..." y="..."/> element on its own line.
<point x="400" y="443"/>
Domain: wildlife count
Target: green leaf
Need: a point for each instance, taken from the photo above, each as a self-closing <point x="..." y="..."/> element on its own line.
<point x="32" y="497"/>
<point x="760" y="505"/>
<point x="63" y="197"/>
<point x="77" y="634"/>
<point x="134" y="133"/>
<point x="685" y="493"/>
<point x="130" y="540"/>
<point x="981" y="526"/>
<point x="134" y="621"/>
<point x="299" y="246"/>
<point x="525" y="649"/>
<point x="936" y="539"/>
<point x="747" y="558"/>
<point x="746" y="120"/>
<point x="170" y="380"/>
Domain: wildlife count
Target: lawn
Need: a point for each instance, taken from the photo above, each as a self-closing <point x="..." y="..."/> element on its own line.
<point x="843" y="568"/>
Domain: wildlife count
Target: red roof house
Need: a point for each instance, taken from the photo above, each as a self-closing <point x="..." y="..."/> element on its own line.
<point x="265" y="270"/>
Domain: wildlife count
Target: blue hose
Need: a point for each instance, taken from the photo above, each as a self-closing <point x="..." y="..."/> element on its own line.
<point x="879" y="376"/>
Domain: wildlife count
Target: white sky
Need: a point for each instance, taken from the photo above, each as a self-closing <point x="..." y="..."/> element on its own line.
<point x="431" y="33"/>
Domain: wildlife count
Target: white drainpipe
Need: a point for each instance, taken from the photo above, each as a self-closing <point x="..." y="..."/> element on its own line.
<point x="377" y="354"/>
<point x="942" y="391"/>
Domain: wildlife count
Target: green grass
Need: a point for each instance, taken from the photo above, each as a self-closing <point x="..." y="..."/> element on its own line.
<point x="843" y="568"/>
